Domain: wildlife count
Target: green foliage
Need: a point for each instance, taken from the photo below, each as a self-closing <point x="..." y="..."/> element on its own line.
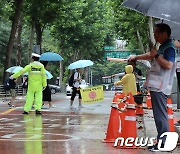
<point x="74" y="29"/>
<point x="128" y="22"/>
<point x="81" y="28"/>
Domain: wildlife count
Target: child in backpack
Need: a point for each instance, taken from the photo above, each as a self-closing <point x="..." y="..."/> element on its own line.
<point x="76" y="88"/>
<point x="128" y="81"/>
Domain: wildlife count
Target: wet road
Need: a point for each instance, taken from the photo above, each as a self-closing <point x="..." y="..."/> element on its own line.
<point x="59" y="130"/>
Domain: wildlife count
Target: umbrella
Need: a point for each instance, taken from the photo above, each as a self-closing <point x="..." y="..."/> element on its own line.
<point x="50" y="56"/>
<point x="48" y="75"/>
<point x="175" y="29"/>
<point x="144" y="63"/>
<point x="14" y="69"/>
<point x="163" y="9"/>
<point x="80" y="64"/>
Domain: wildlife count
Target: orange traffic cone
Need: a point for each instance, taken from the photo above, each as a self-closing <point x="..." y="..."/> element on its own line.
<point x="129" y="128"/>
<point x="122" y="106"/>
<point x="115" y="99"/>
<point x="139" y="109"/>
<point x="148" y="102"/>
<point x="170" y="115"/>
<point x="114" y="126"/>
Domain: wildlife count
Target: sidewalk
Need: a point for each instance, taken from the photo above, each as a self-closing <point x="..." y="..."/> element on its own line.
<point x="85" y="128"/>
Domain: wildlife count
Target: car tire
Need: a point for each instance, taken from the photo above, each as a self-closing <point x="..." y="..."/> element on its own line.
<point x="53" y="90"/>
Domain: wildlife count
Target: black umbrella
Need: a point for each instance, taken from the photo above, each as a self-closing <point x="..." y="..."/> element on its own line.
<point x="162" y="9"/>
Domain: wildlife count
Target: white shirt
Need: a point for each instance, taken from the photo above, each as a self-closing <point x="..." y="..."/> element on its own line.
<point x="77" y="76"/>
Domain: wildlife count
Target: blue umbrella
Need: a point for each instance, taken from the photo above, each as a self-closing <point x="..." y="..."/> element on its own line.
<point x="14" y="69"/>
<point x="50" y="56"/>
<point x="80" y="64"/>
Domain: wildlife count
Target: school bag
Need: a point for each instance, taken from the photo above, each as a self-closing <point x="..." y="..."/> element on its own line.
<point x="71" y="79"/>
<point x="25" y="84"/>
<point x="6" y="84"/>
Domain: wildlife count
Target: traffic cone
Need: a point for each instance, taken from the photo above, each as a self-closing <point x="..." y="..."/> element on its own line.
<point x="114" y="126"/>
<point x="115" y="99"/>
<point x="148" y="102"/>
<point x="170" y="115"/>
<point x="122" y="105"/>
<point x="139" y="109"/>
<point x="129" y="128"/>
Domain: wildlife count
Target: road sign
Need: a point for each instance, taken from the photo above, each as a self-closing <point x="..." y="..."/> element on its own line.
<point x="117" y="54"/>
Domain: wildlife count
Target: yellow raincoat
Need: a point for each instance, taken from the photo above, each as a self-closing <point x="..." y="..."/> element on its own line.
<point x="128" y="81"/>
<point x="36" y="82"/>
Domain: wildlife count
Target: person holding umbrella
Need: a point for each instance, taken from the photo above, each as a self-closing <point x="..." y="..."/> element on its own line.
<point x="76" y="80"/>
<point x="36" y="83"/>
<point x="160" y="78"/>
<point x="47" y="91"/>
<point x="76" y="88"/>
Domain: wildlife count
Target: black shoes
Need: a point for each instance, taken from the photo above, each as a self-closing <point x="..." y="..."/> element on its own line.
<point x="10" y="105"/>
<point x="25" y="112"/>
<point x="38" y="112"/>
<point x="154" y="148"/>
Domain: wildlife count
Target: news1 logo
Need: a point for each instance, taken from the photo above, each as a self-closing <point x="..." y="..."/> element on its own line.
<point x="169" y="145"/>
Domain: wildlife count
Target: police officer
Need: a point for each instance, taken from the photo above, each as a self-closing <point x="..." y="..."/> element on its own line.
<point x="36" y="83"/>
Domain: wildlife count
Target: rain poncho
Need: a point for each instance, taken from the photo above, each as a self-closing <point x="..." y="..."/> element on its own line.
<point x="128" y="81"/>
<point x="36" y="82"/>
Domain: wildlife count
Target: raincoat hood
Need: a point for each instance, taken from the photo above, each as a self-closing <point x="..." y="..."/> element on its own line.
<point x="128" y="81"/>
<point x="129" y="69"/>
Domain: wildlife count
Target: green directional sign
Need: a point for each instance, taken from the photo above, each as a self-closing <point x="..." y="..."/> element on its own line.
<point x="117" y="54"/>
<point x="108" y="48"/>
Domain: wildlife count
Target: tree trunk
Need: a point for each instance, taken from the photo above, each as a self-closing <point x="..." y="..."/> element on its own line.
<point x="18" y="7"/>
<point x="86" y="74"/>
<point x="19" y="47"/>
<point x="140" y="42"/>
<point x="60" y="73"/>
<point x="31" y="42"/>
<point x="39" y="31"/>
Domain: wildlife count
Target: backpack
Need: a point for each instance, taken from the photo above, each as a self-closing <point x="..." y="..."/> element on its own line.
<point x="25" y="83"/>
<point x="6" y="84"/>
<point x="71" y="80"/>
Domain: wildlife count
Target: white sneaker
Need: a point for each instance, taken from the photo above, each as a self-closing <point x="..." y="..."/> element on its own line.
<point x="80" y="107"/>
<point x="12" y="106"/>
<point x="53" y="106"/>
<point x="71" y="107"/>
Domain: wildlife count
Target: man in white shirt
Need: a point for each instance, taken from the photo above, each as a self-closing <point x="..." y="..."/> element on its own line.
<point x="76" y="88"/>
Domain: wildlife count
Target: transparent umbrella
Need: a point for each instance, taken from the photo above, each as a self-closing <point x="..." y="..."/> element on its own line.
<point x="14" y="69"/>
<point x="48" y="74"/>
<point x="144" y="63"/>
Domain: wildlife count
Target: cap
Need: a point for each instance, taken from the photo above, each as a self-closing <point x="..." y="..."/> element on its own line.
<point x="35" y="55"/>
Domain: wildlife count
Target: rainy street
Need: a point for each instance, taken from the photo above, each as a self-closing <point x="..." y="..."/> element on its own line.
<point x="59" y="130"/>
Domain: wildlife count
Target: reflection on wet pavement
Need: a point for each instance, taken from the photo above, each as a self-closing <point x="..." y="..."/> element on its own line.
<point x="56" y="133"/>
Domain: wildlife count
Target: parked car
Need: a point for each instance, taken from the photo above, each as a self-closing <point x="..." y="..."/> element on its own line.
<point x="69" y="89"/>
<point x="54" y="88"/>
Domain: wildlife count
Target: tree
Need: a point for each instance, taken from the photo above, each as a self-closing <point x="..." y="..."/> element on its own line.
<point x="131" y="26"/>
<point x="40" y="15"/>
<point x="18" y="4"/>
<point x="81" y="29"/>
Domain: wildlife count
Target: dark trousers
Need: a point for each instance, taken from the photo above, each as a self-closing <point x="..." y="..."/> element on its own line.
<point x="159" y="106"/>
<point x="74" y="92"/>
